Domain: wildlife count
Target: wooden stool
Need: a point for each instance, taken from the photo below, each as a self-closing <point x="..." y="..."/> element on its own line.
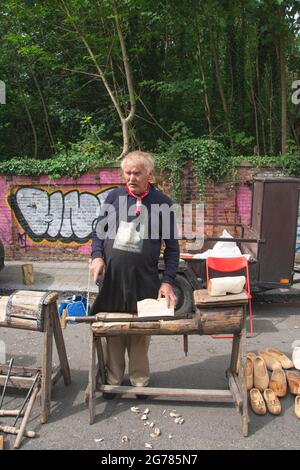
<point x="205" y="321"/>
<point x="36" y="311"/>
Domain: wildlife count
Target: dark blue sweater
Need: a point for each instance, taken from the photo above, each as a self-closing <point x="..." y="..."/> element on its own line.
<point x="171" y="252"/>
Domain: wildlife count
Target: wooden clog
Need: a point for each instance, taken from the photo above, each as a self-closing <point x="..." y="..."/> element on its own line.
<point x="297" y="406"/>
<point x="261" y="376"/>
<point x="294" y="382"/>
<point x="285" y="362"/>
<point x="257" y="402"/>
<point x="249" y="372"/>
<point x="270" y="360"/>
<point x="272" y="402"/>
<point x="278" y="382"/>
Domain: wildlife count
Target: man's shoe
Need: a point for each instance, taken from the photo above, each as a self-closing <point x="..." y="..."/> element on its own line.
<point x="108" y="396"/>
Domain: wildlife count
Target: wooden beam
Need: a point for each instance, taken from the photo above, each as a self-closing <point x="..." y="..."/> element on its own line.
<point x="200" y="395"/>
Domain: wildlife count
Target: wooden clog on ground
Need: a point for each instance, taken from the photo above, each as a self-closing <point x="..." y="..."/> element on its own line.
<point x="285" y="362"/>
<point x="260" y="376"/>
<point x="278" y="382"/>
<point x="294" y="382"/>
<point x="272" y="402"/>
<point x="257" y="402"/>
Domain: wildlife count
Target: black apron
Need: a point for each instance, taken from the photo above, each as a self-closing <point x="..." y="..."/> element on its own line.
<point x="131" y="272"/>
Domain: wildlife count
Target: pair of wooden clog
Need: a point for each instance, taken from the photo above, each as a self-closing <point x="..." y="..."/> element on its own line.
<point x="256" y="372"/>
<point x="261" y="403"/>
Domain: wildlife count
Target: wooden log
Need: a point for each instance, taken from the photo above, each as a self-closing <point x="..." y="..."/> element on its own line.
<point x="17" y="382"/>
<point x="20" y="324"/>
<point x="1" y="443"/>
<point x="204" y="322"/>
<point x="10" y="413"/>
<point x="25" y="309"/>
<point x="27" y="371"/>
<point x="27" y="274"/>
<point x="145" y="328"/>
<point x="12" y="430"/>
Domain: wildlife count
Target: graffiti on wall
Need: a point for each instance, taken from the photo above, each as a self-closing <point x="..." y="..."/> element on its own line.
<point x="59" y="215"/>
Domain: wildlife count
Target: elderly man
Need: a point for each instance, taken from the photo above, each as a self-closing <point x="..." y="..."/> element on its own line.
<point x="129" y="257"/>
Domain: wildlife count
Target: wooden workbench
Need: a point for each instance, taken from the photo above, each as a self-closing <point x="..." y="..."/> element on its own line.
<point x="36" y="311"/>
<point x="219" y="316"/>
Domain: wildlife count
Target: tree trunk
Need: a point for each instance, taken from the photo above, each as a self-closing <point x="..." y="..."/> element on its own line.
<point x="206" y="98"/>
<point x="125" y="121"/>
<point x="34" y="134"/>
<point x="51" y="139"/>
<point x="257" y="152"/>
<point x="283" y="80"/>
<point x="219" y="80"/>
<point x="271" y="100"/>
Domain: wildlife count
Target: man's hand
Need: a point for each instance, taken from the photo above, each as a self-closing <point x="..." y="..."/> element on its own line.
<point x="96" y="268"/>
<point x="166" y="290"/>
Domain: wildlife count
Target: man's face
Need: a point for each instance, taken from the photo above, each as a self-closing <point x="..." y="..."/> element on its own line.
<point x="136" y="176"/>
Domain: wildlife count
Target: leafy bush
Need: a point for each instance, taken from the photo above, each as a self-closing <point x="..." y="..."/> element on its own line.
<point x="291" y="164"/>
<point x="86" y="155"/>
<point x="210" y="158"/>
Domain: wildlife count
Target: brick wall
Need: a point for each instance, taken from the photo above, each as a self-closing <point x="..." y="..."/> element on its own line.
<point x="42" y="218"/>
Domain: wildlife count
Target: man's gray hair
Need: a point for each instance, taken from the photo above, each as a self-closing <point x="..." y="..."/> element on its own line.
<point x="143" y="158"/>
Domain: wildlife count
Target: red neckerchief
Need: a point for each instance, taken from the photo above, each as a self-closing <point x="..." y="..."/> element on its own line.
<point x="138" y="198"/>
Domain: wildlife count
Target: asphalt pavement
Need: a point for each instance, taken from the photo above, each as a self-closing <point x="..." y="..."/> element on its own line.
<point x="206" y="425"/>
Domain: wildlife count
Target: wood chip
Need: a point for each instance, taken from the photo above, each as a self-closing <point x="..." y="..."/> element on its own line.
<point x="146" y="411"/>
<point x="170" y="436"/>
<point x="144" y="417"/>
<point x="135" y="409"/>
<point x="175" y="415"/>
<point x="148" y="446"/>
<point x="156" y="432"/>
<point x="152" y="425"/>
<point x="99" y="440"/>
<point x="179" y="420"/>
<point x="125" y="439"/>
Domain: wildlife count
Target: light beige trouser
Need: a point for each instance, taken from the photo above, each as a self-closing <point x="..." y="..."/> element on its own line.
<point x="137" y="348"/>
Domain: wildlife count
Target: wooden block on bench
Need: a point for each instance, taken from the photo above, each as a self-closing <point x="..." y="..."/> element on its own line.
<point x="203" y="299"/>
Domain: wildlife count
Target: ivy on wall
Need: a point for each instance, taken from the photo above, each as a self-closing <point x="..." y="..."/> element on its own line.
<point x="210" y="160"/>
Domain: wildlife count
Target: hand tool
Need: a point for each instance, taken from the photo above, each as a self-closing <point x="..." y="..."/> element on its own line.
<point x="36" y="379"/>
<point x="6" y="380"/>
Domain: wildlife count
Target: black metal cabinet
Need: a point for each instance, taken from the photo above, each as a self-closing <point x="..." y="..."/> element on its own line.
<point x="274" y="218"/>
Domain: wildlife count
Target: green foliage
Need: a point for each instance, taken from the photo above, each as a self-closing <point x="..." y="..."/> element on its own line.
<point x="88" y="154"/>
<point x="291" y="164"/>
<point x="210" y="158"/>
<point x="52" y="81"/>
<point x="242" y="142"/>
